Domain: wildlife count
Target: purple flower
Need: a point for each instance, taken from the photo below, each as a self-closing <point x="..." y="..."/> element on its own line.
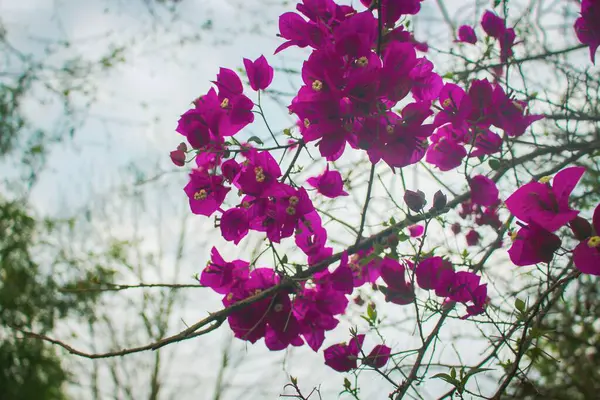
<point x="259" y="173"/>
<point x="416" y="230"/>
<point x="587" y="27"/>
<point x="510" y="115"/>
<point x="313" y="320"/>
<point x="586" y="255"/>
<point x="392" y="10"/>
<point x="260" y="73"/>
<point x="466" y="34"/>
<point x="492" y="24"/>
<point x="206" y="192"/>
<point x="533" y="244"/>
<point x="234" y="109"/>
<point x="329" y="184"/>
<point x="378" y="357"/>
<point x="234" y="224"/>
<point x="545" y="204"/>
<point x="446" y="153"/>
<point x="299" y="32"/>
<point x="435" y="273"/>
<point x="343" y="357"/>
<point x="364" y="271"/>
<point x="178" y="155"/>
<point x="230" y="169"/>
<point x="398" y="290"/>
<point x="483" y="191"/>
<point x="472" y="237"/>
<point x="222" y="276"/>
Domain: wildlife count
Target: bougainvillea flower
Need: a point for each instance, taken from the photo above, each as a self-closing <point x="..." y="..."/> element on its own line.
<point x="329" y="184"/>
<point x="378" y="357"/>
<point x="492" y="24"/>
<point x="280" y="214"/>
<point x="586" y="255"/>
<point x="392" y="10"/>
<point x="398" y="61"/>
<point x="260" y="73"/>
<point x="507" y="41"/>
<point x="426" y="83"/>
<point x="435" y="273"/>
<point x="193" y="125"/>
<point x="234" y="224"/>
<point x="472" y="238"/>
<point x="398" y="290"/>
<point x="310" y="234"/>
<point x="587" y="27"/>
<point x="486" y="142"/>
<point x="178" y="155"/>
<point x="363" y="268"/>
<point x="222" y="276"/>
<point x="206" y="192"/>
<point x="356" y="36"/>
<point x="259" y="173"/>
<point x="339" y="280"/>
<point x="416" y="230"/>
<point x="446" y="151"/>
<point x="480" y="299"/>
<point x="533" y="244"/>
<point x="483" y="191"/>
<point x="314" y="322"/>
<point x="545" y="204"/>
<point x="463" y="287"/>
<point x="299" y="32"/>
<point x="230" y="169"/>
<point x="343" y="357"/>
<point x="510" y="115"/>
<point x="466" y="34"/>
<point x="234" y="108"/>
<point x="270" y="316"/>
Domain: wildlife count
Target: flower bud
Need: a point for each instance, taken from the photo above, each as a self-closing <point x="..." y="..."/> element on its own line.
<point x="455" y="228"/>
<point x="472" y="238"/>
<point x="439" y="201"/>
<point x="415" y="200"/>
<point x="178" y="157"/>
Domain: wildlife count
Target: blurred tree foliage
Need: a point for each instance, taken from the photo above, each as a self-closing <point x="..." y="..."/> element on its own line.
<point x="29" y="369"/>
<point x="33" y="271"/>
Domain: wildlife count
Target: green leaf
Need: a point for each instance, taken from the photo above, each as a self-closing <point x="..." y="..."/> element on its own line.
<point x="284" y="259"/>
<point x="347" y="383"/>
<point x="453" y="373"/>
<point x="256" y="140"/>
<point x="403" y="237"/>
<point x="371" y="312"/>
<point x="494" y="164"/>
<point x="520" y="305"/>
<point x="447" y="378"/>
<point x="472" y="372"/>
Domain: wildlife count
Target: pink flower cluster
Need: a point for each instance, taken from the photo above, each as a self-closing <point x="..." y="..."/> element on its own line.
<point x="358" y="71"/>
<point x="544" y="208"/>
<point x="343" y="357"/>
<point x="355" y="76"/>
<point x="465" y="120"/>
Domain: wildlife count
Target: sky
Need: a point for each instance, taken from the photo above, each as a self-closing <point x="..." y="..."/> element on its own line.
<point x="117" y="168"/>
